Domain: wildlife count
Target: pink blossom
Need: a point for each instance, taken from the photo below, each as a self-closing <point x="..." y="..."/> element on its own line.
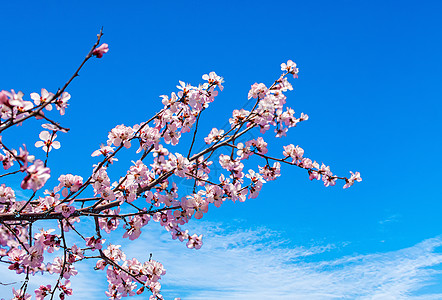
<point x="329" y="180"/>
<point x="71" y="182"/>
<point x="105" y="151"/>
<point x="7" y="195"/>
<point x="314" y="175"/>
<point x="214" y="135"/>
<point x="14" y="99"/>
<point x="169" y="102"/>
<point x="42" y="291"/>
<point x="305" y="163"/>
<point x="214" y="194"/>
<point x="98" y="52"/>
<point x="172" y="135"/>
<point x="53" y="127"/>
<point x="20" y="295"/>
<point x="108" y="194"/>
<point x="195" y="242"/>
<point x="127" y="289"/>
<point x="155" y="269"/>
<point x="257" y="90"/>
<point x="47" y="141"/>
<point x="291" y="68"/>
<point x="282" y="85"/>
<point x="214" y="79"/>
<point x="184" y="87"/>
<point x="280" y="132"/>
<point x="120" y="134"/>
<point x="59" y="266"/>
<point x="238" y="116"/>
<point x="327" y="176"/>
<point x="8" y="159"/>
<point x="354" y="177"/>
<point x="35" y="256"/>
<point x="22" y="110"/>
<point x="270" y="173"/>
<point x="45" y="97"/>
<point x="155" y="287"/>
<point x="295" y="153"/>
<point x="259" y="145"/>
<point x="3" y="98"/>
<point x="196" y="203"/>
<point x="37" y="176"/>
<point x="114" y="253"/>
<point x="66" y="288"/>
<point x="16" y="255"/>
<point x="94" y="243"/>
<point x="47" y="203"/>
<point x="134" y="225"/>
<point x="244" y="152"/>
<point x="62" y="103"/>
<point x="24" y="158"/>
<point x="65" y="209"/>
<point x="76" y="254"/>
<point x="304" y="117"/>
<point x="110" y="224"/>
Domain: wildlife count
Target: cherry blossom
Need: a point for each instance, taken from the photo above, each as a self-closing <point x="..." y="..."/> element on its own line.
<point x="47" y="141"/>
<point x="34" y="258"/>
<point x="94" y="243"/>
<point x="98" y="52"/>
<point x="120" y="134"/>
<point x="37" y="176"/>
<point x="65" y="209"/>
<point x="42" y="291"/>
<point x="214" y="136"/>
<point x="354" y="177"/>
<point x="66" y="288"/>
<point x="13" y="99"/>
<point x="24" y="158"/>
<point x="8" y="158"/>
<point x="71" y="182"/>
<point x="54" y="127"/>
<point x="20" y="295"/>
<point x="270" y="173"/>
<point x="7" y="195"/>
<point x="257" y="90"/>
<point x="62" y="103"/>
<point x="214" y="79"/>
<point x="105" y="151"/>
<point x="295" y="153"/>
<point x="170" y="186"/>
<point x="291" y="68"/>
<point x="195" y="241"/>
<point x="44" y="98"/>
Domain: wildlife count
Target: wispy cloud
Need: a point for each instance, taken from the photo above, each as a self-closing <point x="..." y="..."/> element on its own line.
<point x="260" y="264"/>
<point x="390" y="219"/>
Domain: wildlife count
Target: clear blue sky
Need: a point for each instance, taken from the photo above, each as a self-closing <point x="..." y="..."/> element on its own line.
<point x="370" y="80"/>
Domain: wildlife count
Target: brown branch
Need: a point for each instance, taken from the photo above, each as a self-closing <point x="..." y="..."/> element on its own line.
<point x="10" y="173"/>
<point x="60" y="91"/>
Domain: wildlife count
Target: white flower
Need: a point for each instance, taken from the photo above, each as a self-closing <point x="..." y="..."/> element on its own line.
<point x="47" y="141"/>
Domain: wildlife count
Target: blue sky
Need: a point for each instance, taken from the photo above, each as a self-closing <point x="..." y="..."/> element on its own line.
<point x="369" y="79"/>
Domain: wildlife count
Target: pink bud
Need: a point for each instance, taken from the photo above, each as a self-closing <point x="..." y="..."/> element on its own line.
<point x="3" y="98"/>
<point x="98" y="52"/>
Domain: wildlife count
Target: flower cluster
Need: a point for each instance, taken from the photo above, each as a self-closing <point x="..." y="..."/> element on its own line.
<point x="151" y="190"/>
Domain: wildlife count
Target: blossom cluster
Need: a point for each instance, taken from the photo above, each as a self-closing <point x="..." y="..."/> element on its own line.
<point x="151" y="190"/>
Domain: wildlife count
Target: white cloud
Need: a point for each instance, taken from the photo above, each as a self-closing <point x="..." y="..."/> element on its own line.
<point x="259" y="264"/>
<point x="390" y="219"/>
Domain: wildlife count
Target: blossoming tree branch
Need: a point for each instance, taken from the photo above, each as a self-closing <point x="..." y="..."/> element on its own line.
<point x="146" y="192"/>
